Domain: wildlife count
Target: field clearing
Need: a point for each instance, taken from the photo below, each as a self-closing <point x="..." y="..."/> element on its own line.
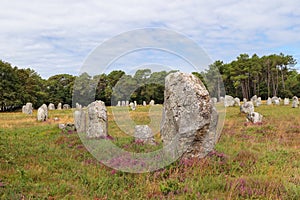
<point x="39" y="161"/>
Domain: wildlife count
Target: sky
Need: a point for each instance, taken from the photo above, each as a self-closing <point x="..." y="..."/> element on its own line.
<point x="54" y="37"/>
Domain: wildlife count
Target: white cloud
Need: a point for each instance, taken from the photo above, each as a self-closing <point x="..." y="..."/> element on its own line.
<point x="56" y="36"/>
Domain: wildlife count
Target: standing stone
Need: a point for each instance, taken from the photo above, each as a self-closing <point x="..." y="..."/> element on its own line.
<point x="214" y="100"/>
<point x="59" y="106"/>
<point x="132" y="106"/>
<point x="42" y="113"/>
<point x="24" y="109"/>
<point x="28" y="108"/>
<point x="66" y="106"/>
<point x="80" y="120"/>
<point x="143" y="133"/>
<point x="237" y="102"/>
<point x="187" y="117"/>
<point x="228" y="101"/>
<point x="152" y="102"/>
<point x="119" y="103"/>
<point x="222" y="99"/>
<point x="144" y="103"/>
<point x="258" y="102"/>
<point x="126" y="103"/>
<point x="51" y="106"/>
<point x="286" y="101"/>
<point x="123" y="103"/>
<point x="97" y="124"/>
<point x="244" y="100"/>
<point x="254" y="117"/>
<point x="295" y="102"/>
<point x="135" y="103"/>
<point x="247" y="107"/>
<point x="78" y="106"/>
<point x="254" y="100"/>
<point x="269" y="101"/>
<point x="275" y="100"/>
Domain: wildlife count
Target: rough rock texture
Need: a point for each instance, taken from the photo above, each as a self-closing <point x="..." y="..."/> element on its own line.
<point x="254" y="117"/>
<point x="247" y="107"/>
<point x="59" y="106"/>
<point x="97" y="123"/>
<point x="228" y="101"/>
<point x="269" y="101"/>
<point x="80" y="120"/>
<point x="286" y="101"/>
<point x="27" y="109"/>
<point x="187" y="126"/>
<point x="66" y="106"/>
<point x="295" y="102"/>
<point x="143" y="133"/>
<point x="51" y="106"/>
<point x="42" y="113"/>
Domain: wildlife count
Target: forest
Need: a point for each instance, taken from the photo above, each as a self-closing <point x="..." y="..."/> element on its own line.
<point x="266" y="76"/>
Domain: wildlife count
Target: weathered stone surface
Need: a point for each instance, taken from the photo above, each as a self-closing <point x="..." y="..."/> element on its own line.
<point x="237" y="102"/>
<point x="66" y="106"/>
<point x="42" y="113"/>
<point x="247" y="107"/>
<point x="152" y="102"/>
<point x="59" y="106"/>
<point x="228" y="101"/>
<point x="295" y="102"/>
<point x="269" y="101"/>
<point x="80" y="120"/>
<point x="97" y="120"/>
<point x="27" y="109"/>
<point x="144" y="103"/>
<point x="143" y="133"/>
<point x="187" y="125"/>
<point x="254" y="117"/>
<point x="132" y="106"/>
<point x="51" y="106"/>
<point x="286" y="101"/>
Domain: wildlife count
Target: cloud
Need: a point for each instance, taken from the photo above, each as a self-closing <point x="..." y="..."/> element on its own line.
<point x="56" y="36"/>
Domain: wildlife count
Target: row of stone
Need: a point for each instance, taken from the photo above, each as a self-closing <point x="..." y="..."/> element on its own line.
<point x="230" y="101"/>
<point x="126" y="103"/>
<point x="28" y="109"/>
<point x="189" y="118"/>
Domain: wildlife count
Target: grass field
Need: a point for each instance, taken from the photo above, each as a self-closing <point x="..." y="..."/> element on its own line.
<point x="39" y="161"/>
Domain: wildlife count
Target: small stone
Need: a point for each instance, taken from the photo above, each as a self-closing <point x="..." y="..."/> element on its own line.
<point x="51" y="106"/>
<point x="143" y="133"/>
<point x="255" y="117"/>
<point x="247" y="107"/>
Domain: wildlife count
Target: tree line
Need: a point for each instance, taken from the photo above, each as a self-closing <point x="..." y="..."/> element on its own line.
<point x="265" y="76"/>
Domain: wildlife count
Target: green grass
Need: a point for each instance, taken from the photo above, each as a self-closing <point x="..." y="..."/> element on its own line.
<point x="39" y="161"/>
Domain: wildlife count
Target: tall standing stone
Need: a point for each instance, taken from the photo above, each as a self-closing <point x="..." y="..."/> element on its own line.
<point x="269" y="101"/>
<point x="42" y="113"/>
<point x="237" y="102"/>
<point x="228" y="101"/>
<point x="123" y="103"/>
<point x="144" y="103"/>
<point x="187" y="117"/>
<point x="97" y="123"/>
<point x="295" y="102"/>
<point x="59" y="106"/>
<point x="152" y="102"/>
<point x="80" y="120"/>
<point x="27" y="109"/>
<point x="135" y="103"/>
<point x="132" y="106"/>
<point x="119" y="103"/>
